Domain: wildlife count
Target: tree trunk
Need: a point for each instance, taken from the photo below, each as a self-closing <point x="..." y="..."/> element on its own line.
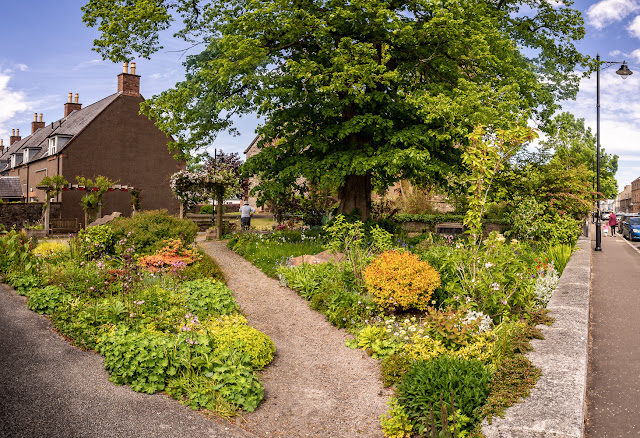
<point x="181" y="210"/>
<point x="355" y="193"/>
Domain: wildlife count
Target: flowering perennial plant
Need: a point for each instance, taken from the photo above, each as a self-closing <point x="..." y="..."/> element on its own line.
<point x="401" y="279"/>
<point x="172" y="255"/>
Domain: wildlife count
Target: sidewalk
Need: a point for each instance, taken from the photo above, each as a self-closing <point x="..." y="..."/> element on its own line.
<point x="613" y="383"/>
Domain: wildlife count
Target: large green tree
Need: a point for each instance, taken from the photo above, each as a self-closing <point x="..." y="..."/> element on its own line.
<point x="354" y="94"/>
<point x="561" y="172"/>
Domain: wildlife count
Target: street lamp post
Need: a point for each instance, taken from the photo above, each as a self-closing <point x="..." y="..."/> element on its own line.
<point x="623" y="71"/>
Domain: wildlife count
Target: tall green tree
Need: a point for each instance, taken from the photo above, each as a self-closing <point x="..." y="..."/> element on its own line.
<point x="354" y="94"/>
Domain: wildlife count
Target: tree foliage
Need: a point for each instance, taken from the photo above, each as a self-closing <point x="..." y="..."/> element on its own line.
<point x="355" y="95"/>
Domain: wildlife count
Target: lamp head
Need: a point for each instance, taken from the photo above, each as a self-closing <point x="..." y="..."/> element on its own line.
<point x="624" y="71"/>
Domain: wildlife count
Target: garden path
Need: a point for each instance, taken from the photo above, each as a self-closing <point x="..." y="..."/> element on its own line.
<point x="315" y="386"/>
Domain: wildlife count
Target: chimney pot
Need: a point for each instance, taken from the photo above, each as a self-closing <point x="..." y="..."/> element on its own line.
<point x="69" y="100"/>
<point x="35" y="125"/>
<point x="13" y="132"/>
<point x="125" y="67"/>
<point x="133" y="68"/>
<point x="18" y="132"/>
<point x="76" y="98"/>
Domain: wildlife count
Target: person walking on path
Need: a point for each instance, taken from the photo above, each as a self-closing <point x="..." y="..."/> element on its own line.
<point x="613" y="386"/>
<point x="613" y="222"/>
<point x="246" y="211"/>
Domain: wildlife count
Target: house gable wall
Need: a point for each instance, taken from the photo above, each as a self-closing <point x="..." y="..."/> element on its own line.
<point x="123" y="146"/>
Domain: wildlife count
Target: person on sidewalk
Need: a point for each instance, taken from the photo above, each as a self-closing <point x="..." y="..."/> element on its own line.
<point x="613" y="221"/>
<point x="246" y="211"/>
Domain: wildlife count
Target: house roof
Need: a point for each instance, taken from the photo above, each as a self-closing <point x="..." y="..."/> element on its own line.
<point x="255" y="140"/>
<point x="10" y="187"/>
<point x="69" y="126"/>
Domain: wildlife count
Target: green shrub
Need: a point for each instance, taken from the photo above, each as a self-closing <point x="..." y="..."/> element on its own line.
<point x="258" y="346"/>
<point x="206" y="267"/>
<point x="47" y="299"/>
<point x="225" y="384"/>
<point x="427" y="382"/>
<point x="22" y="282"/>
<point x="96" y="241"/>
<point x="207" y="209"/>
<point x="83" y="279"/>
<point x="16" y="255"/>
<point x="138" y="359"/>
<point x="150" y="229"/>
<point x="394" y="367"/>
<point x="206" y="297"/>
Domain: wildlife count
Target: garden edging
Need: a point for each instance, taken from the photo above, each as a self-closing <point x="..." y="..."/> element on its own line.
<point x="556" y="405"/>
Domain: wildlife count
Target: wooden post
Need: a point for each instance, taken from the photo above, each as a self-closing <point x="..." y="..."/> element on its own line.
<point x="47" y="213"/>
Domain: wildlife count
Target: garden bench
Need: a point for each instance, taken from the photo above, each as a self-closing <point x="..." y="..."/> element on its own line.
<point x="449" y="228"/>
<point x="64" y="225"/>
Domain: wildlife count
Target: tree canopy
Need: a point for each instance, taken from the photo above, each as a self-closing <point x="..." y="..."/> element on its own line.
<point x="355" y="94"/>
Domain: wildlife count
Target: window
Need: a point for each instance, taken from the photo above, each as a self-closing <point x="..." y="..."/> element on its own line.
<point x="53" y="145"/>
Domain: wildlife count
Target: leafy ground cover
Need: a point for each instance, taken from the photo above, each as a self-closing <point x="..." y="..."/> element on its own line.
<point x="163" y="319"/>
<point x="449" y="321"/>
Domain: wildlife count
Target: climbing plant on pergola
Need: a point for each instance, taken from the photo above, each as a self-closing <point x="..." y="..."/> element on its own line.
<point x="216" y="182"/>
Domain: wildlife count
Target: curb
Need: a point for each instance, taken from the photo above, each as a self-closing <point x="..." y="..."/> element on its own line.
<point x="556" y="405"/>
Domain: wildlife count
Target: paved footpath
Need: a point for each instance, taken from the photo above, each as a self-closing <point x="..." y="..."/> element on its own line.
<point x="613" y="382"/>
<point x="49" y="389"/>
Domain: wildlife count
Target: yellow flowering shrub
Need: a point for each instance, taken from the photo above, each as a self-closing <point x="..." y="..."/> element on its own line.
<point x="424" y="348"/>
<point x="50" y="249"/>
<point x="480" y="347"/>
<point x="397" y="278"/>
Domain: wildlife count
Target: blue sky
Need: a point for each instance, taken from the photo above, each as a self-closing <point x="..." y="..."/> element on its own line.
<point x="46" y="54"/>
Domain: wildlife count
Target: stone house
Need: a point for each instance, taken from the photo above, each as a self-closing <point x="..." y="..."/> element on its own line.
<point x="108" y="138"/>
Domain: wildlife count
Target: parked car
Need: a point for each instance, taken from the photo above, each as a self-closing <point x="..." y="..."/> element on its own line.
<point x="604" y="216"/>
<point x="629" y="226"/>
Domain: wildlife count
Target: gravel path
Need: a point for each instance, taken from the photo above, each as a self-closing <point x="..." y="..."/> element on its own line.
<point x="315" y="386"/>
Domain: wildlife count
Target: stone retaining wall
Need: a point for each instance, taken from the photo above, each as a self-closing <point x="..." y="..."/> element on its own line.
<point x="15" y="215"/>
<point x="555" y="408"/>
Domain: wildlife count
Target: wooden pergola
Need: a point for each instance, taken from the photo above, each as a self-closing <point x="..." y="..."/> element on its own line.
<point x="48" y="189"/>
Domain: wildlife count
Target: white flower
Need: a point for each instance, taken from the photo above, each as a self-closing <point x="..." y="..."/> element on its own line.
<point x="489" y="265"/>
<point x="495" y="286"/>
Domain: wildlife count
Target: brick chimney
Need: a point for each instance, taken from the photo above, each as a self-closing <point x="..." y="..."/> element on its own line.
<point x="15" y="136"/>
<point x="72" y="106"/>
<point x="35" y="125"/>
<point x="1" y="146"/>
<point x="129" y="83"/>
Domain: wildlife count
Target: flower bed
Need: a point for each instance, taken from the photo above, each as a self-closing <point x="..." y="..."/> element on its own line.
<point x="164" y="321"/>
<point x="444" y="315"/>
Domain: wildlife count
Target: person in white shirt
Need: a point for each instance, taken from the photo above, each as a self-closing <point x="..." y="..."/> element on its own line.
<point x="246" y="211"/>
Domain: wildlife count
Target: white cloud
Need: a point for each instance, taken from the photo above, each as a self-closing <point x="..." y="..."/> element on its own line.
<point x="634" y="27"/>
<point x="11" y="103"/>
<point x="606" y="12"/>
<point x="22" y="67"/>
<point x="87" y="64"/>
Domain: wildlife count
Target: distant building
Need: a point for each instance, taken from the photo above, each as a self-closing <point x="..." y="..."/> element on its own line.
<point x="108" y="138"/>
<point x="623" y="200"/>
<point x="635" y="196"/>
